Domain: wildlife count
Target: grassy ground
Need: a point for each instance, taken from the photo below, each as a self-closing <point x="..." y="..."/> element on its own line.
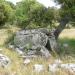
<point x="18" y="68"/>
<point x="68" y="37"/>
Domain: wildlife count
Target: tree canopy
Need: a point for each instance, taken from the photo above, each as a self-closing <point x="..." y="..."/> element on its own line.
<point x="5" y="12"/>
<point x="67" y="8"/>
<point x="30" y="13"/>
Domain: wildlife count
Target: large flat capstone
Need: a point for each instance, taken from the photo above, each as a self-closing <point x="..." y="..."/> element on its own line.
<point x="30" y="38"/>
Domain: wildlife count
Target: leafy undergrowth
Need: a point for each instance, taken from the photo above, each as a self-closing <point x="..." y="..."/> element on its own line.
<point x="18" y="68"/>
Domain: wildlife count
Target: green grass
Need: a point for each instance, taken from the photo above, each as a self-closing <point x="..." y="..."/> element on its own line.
<point x="18" y="68"/>
<point x="67" y="54"/>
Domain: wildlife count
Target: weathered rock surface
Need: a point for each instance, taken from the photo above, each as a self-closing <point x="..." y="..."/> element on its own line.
<point x="70" y="67"/>
<point x="4" y="60"/>
<point x="30" y="38"/>
<point x="27" y="61"/>
<point x="40" y="41"/>
<point x="44" y="52"/>
<point x="32" y="52"/>
<point x="38" y="67"/>
<point x="32" y="41"/>
<point x="20" y="52"/>
<point x="11" y="46"/>
<point x="55" y="66"/>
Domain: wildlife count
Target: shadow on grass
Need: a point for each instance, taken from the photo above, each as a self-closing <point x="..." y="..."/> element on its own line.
<point x="67" y="46"/>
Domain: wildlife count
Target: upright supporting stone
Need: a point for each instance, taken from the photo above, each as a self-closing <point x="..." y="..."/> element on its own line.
<point x="53" y="43"/>
<point x="45" y="53"/>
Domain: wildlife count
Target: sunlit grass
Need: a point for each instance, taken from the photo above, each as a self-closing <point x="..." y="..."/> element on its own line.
<point x="68" y="33"/>
<point x="5" y="33"/>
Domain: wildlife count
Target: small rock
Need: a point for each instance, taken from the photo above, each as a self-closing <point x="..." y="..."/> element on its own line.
<point x="31" y="52"/>
<point x="45" y="52"/>
<point x="27" y="61"/>
<point x="53" y="68"/>
<point x="19" y="51"/>
<point x="70" y="67"/>
<point x="11" y="46"/>
<point x="4" y="60"/>
<point x="38" y="67"/>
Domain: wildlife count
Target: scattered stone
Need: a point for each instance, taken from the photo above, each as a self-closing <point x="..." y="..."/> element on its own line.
<point x="31" y="52"/>
<point x="38" y="68"/>
<point x="70" y="67"/>
<point x="58" y="64"/>
<point x="27" y="61"/>
<point x="53" y="68"/>
<point x="11" y="46"/>
<point x="19" y="51"/>
<point x="4" y="60"/>
<point x="45" y="52"/>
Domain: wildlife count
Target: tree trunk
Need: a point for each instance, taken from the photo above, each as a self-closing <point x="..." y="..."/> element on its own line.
<point x="61" y="26"/>
<point x="52" y="43"/>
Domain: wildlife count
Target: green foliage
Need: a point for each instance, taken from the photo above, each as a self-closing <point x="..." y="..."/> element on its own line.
<point x="67" y="8"/>
<point x="11" y="5"/>
<point x="31" y="14"/>
<point x="5" y="11"/>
